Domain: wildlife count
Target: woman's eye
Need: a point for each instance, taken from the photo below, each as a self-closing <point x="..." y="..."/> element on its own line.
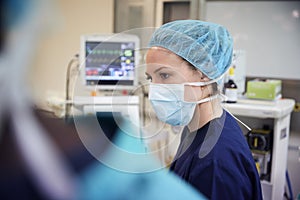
<point x="164" y="75"/>
<point x="148" y="78"/>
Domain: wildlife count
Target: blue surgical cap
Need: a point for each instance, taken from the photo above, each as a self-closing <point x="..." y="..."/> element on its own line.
<point x="207" y="46"/>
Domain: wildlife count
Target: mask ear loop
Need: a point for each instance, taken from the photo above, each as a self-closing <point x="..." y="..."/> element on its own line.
<point x="200" y="84"/>
<point x="222" y="96"/>
<point x="206" y="82"/>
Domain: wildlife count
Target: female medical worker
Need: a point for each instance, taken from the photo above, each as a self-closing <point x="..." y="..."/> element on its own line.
<point x="184" y="63"/>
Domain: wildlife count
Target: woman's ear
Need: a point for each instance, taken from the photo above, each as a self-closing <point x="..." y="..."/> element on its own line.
<point x="200" y="76"/>
<point x="203" y="78"/>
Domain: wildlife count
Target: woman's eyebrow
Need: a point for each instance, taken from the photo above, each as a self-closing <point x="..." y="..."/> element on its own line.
<point x="157" y="70"/>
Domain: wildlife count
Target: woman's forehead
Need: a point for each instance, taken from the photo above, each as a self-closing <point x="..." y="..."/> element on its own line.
<point x="161" y="55"/>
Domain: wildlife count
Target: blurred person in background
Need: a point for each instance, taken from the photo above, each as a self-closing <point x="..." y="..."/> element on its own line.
<point x="41" y="157"/>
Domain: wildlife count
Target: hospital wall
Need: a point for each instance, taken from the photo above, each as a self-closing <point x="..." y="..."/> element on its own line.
<point x="267" y="30"/>
<point x="61" y="42"/>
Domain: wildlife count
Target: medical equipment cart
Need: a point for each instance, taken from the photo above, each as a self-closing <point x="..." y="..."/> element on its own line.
<point x="275" y="114"/>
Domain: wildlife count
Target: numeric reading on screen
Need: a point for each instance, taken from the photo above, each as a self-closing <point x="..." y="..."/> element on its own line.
<point x="109" y="63"/>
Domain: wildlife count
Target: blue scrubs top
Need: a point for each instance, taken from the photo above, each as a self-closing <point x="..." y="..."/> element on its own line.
<point x="217" y="161"/>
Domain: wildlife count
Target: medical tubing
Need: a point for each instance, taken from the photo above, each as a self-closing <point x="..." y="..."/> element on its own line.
<point x="237" y="119"/>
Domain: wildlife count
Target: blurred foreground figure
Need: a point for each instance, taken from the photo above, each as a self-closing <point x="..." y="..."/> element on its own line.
<point x="41" y="157"/>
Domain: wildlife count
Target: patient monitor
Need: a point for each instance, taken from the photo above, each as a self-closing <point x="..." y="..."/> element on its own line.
<point x="108" y="62"/>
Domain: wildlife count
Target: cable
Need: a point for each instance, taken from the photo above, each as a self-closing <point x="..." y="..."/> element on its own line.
<point x="68" y="76"/>
<point x="289" y="185"/>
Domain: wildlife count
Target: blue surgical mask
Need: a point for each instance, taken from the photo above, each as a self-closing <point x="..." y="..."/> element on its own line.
<point x="169" y="105"/>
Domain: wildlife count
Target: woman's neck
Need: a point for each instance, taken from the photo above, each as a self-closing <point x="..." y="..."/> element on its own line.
<point x="204" y="113"/>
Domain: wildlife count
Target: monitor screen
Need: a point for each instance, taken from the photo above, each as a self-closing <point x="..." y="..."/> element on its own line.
<point x="109" y="61"/>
